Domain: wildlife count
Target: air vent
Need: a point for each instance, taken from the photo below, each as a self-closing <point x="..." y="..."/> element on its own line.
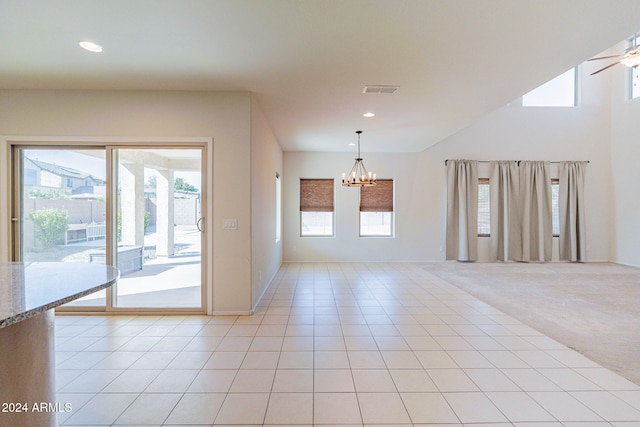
<point x="380" y="89"/>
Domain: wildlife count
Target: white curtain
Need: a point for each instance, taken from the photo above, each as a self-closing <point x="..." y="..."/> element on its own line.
<point x="573" y="241"/>
<point x="505" y="241"/>
<point x="462" y="210"/>
<point x="535" y="211"/>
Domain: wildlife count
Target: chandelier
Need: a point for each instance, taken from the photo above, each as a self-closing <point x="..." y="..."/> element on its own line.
<point x="359" y="176"/>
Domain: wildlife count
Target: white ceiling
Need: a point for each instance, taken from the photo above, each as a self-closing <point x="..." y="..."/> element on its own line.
<point x="308" y="61"/>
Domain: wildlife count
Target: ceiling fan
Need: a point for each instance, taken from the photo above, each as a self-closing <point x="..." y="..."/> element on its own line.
<point x="630" y="57"/>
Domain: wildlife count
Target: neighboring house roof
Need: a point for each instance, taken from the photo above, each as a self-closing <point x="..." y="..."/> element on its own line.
<point x="64" y="171"/>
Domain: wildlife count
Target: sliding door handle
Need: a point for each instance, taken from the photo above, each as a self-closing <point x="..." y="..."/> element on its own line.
<point x="200" y="224"/>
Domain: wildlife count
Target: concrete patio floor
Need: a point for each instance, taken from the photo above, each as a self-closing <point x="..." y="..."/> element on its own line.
<point x="163" y="282"/>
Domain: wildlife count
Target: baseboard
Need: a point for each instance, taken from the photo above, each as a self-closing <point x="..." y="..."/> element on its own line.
<point x="261" y="297"/>
<point x="232" y="313"/>
<point x="386" y="261"/>
<point x="626" y="264"/>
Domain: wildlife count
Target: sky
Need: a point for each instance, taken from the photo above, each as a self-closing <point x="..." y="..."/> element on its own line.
<point x="93" y="162"/>
<point x="73" y="159"/>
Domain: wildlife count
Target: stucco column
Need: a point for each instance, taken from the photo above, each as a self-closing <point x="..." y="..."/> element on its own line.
<point x="165" y="213"/>
<point x="132" y="203"/>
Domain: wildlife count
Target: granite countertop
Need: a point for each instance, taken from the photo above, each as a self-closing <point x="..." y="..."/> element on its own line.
<point x="28" y="289"/>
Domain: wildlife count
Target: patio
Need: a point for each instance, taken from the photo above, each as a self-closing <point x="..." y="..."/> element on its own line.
<point x="163" y="282"/>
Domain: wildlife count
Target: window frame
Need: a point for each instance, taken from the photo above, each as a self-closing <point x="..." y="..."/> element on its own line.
<point x="555" y="181"/>
<point x="634" y="74"/>
<point x="484" y="181"/>
<point x="278" y="208"/>
<point x="332" y="220"/>
<point x="576" y="91"/>
<point x="322" y="210"/>
<point x="392" y="227"/>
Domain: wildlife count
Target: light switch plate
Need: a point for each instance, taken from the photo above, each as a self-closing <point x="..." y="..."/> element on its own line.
<point x="230" y="224"/>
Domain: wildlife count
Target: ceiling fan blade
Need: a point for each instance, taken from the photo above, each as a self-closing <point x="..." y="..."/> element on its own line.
<point x="607" y="67"/>
<point x="605" y="57"/>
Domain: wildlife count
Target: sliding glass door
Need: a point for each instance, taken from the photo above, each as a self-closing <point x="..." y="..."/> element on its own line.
<point x="159" y="228"/>
<point x="138" y="208"/>
<point x="62" y="208"/>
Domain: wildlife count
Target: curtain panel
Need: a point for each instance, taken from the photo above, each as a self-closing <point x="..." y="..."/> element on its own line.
<point x="535" y="211"/>
<point x="462" y="210"/>
<point x="573" y="241"/>
<point x="504" y="183"/>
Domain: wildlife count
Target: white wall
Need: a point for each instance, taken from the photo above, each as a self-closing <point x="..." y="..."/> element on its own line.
<point x="625" y="160"/>
<point x="225" y="116"/>
<point x="510" y="133"/>
<point x="266" y="161"/>
<point x="407" y="245"/>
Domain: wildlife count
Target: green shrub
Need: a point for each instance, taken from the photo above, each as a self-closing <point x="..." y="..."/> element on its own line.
<point x="55" y="194"/>
<point x="50" y="225"/>
<point x="147" y="220"/>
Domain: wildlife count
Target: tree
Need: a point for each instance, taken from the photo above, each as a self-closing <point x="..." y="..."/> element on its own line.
<point x="51" y="224"/>
<point x="181" y="184"/>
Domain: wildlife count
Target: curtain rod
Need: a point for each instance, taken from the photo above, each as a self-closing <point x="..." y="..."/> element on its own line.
<point x="516" y="161"/>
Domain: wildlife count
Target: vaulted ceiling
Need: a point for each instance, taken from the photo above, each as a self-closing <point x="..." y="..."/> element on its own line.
<point x="308" y="61"/>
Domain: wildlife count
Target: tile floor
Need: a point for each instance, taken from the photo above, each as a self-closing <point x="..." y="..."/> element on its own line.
<point x="334" y="344"/>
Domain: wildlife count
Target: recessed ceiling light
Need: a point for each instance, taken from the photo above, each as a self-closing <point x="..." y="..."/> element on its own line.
<point x="90" y="46"/>
<point x="369" y="114"/>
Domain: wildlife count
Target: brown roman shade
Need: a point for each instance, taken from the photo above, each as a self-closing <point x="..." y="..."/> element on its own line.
<point x="316" y="195"/>
<point x="378" y="198"/>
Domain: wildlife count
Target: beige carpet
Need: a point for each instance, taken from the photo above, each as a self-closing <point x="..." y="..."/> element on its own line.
<point x="593" y="308"/>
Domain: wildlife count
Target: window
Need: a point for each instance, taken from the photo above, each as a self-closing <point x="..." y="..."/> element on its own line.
<point x="29" y="177"/>
<point x="376" y="209"/>
<point x="634" y="74"/>
<point x="559" y="92"/>
<point x="278" y="208"/>
<point x="316" y="207"/>
<point x="635" y="82"/>
<point x="484" y="219"/>
<point x="555" y="207"/>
